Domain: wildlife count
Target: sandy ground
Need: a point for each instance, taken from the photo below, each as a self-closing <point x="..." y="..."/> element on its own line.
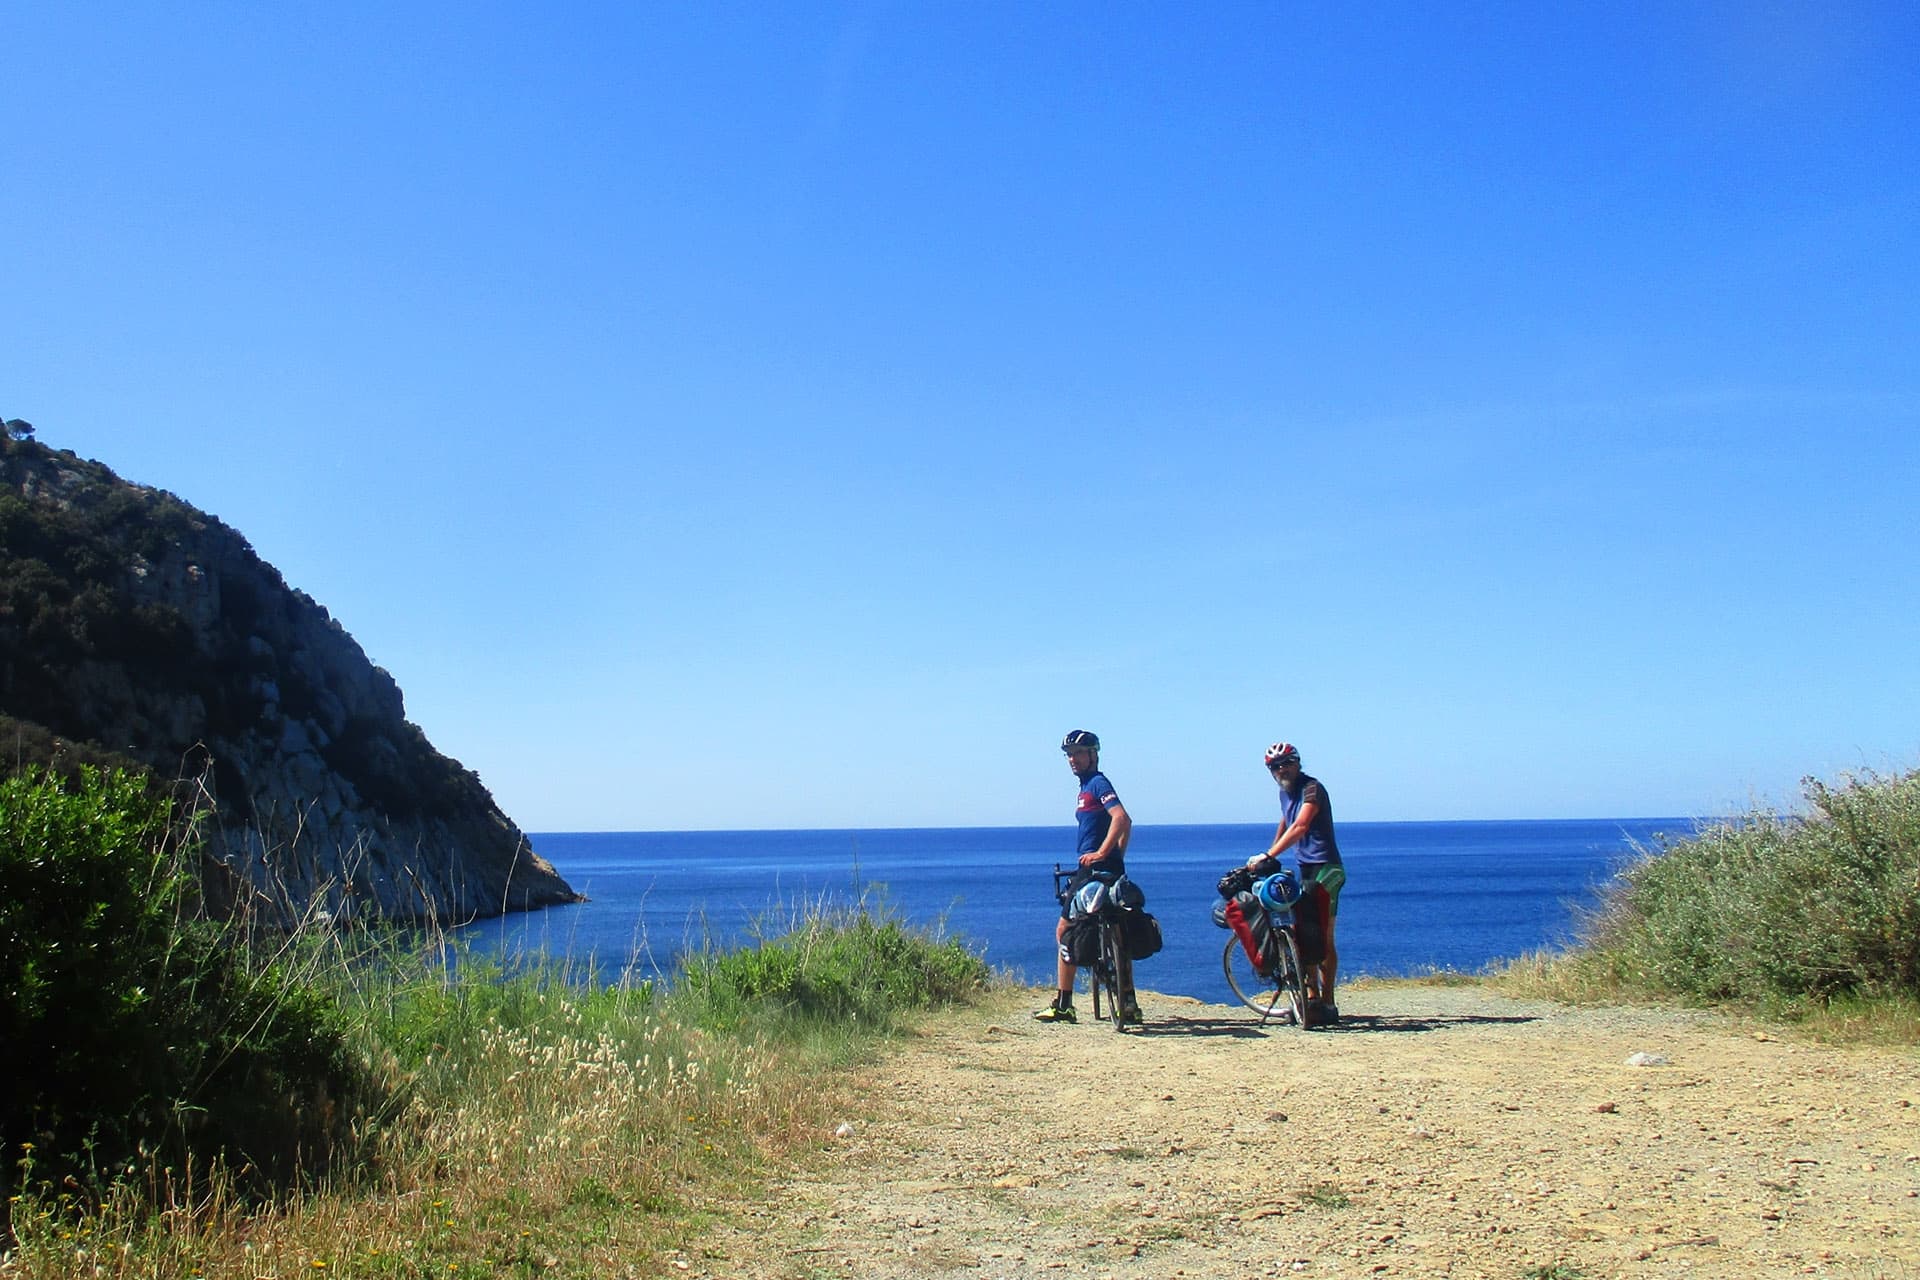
<point x="1434" y="1132"/>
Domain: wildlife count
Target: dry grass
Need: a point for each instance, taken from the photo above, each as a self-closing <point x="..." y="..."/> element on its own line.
<point x="546" y="1129"/>
<point x="571" y="1155"/>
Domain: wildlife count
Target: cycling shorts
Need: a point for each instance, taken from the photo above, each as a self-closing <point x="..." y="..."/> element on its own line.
<point x="1329" y="876"/>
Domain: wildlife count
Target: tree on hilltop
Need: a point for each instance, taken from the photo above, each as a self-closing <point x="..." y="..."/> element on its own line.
<point x="19" y="429"/>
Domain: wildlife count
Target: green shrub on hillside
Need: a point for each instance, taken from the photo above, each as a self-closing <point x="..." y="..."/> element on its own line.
<point x="136" y="1031"/>
<point x="836" y="967"/>
<point x="525" y="1111"/>
<point x="1772" y="909"/>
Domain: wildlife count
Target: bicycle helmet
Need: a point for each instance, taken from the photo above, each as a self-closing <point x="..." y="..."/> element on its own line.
<point x="1279" y="891"/>
<point x="1091" y="899"/>
<point x="1282" y="753"/>
<point x="1080" y="740"/>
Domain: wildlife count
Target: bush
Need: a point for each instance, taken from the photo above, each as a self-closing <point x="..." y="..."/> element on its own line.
<point x="139" y="1033"/>
<point x="848" y="966"/>
<point x="1774" y="909"/>
<point x="530" y="1112"/>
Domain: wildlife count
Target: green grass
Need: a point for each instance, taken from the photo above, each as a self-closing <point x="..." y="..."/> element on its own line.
<point x="518" y="1119"/>
<point x="1325" y="1195"/>
<point x="1813" y="918"/>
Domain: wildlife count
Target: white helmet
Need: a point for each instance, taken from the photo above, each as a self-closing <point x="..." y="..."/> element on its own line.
<point x="1092" y="898"/>
<point x="1282" y="753"/>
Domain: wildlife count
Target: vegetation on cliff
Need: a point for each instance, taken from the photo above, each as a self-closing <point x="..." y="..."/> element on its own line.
<point x="134" y="628"/>
<point x="141" y="1033"/>
<point x="1788" y="913"/>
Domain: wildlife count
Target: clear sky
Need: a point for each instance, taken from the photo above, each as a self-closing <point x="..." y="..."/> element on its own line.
<point x="798" y="415"/>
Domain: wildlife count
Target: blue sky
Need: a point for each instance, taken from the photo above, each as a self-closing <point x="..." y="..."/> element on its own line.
<point x="780" y="416"/>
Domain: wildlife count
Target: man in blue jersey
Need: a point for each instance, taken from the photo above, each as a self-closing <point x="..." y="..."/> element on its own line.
<point x="1306" y="827"/>
<point x="1104" y="828"/>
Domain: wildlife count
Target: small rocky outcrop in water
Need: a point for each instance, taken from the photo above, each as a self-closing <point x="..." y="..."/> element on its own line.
<point x="133" y="624"/>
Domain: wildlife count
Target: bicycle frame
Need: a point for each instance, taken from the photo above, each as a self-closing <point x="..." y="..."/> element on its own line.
<point x="1104" y="973"/>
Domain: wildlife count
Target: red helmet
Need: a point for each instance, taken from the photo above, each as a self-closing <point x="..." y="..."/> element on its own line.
<point x="1282" y="753"/>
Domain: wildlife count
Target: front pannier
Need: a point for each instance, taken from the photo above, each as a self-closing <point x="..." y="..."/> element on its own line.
<point x="1244" y="914"/>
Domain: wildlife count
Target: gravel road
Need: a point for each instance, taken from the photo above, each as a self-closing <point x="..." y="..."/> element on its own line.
<point x="1437" y="1131"/>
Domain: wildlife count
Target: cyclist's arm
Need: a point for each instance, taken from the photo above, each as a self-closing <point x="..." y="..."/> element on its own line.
<point x="1119" y="832"/>
<point x="1286" y="835"/>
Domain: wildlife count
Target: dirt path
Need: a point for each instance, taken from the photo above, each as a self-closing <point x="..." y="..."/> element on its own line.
<point x="1435" y="1132"/>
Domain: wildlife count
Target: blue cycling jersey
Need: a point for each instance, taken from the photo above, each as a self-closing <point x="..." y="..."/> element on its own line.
<point x="1317" y="846"/>
<point x="1097" y="799"/>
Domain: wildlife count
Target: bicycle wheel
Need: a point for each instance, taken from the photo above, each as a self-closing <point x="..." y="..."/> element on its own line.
<point x="1270" y="996"/>
<point x="1111" y="940"/>
<point x="1288" y="974"/>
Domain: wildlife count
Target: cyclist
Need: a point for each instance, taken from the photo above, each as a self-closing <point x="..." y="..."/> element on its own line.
<point x="1306" y="826"/>
<point x="1104" y="829"/>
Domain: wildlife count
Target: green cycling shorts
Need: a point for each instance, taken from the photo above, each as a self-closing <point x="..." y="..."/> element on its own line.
<point x="1329" y="876"/>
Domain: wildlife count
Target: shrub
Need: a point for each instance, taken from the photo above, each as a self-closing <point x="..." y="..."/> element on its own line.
<point x="833" y="966"/>
<point x="139" y="1033"/>
<point x="1776" y="909"/>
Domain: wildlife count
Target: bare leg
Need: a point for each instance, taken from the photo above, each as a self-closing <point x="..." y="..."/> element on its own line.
<point x="1065" y="971"/>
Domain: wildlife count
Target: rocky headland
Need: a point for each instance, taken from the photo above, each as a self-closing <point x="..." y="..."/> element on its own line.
<point x="135" y="629"/>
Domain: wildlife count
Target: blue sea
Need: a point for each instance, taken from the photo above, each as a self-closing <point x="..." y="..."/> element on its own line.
<point x="1419" y="896"/>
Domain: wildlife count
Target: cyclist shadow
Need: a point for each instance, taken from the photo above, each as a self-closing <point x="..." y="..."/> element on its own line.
<point x="1178" y="1025"/>
<point x="1359" y="1022"/>
<point x="1248" y="1028"/>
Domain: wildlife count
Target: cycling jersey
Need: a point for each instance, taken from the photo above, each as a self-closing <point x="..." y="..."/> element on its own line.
<point x="1317" y="846"/>
<point x="1097" y="799"/>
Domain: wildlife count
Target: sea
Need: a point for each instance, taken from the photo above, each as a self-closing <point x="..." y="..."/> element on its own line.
<point x="1420" y="896"/>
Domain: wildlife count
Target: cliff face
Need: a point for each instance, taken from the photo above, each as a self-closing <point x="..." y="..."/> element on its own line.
<point x="133" y="623"/>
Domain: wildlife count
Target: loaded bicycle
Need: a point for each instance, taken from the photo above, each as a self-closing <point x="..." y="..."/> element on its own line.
<point x="1273" y="985"/>
<point x="1096" y="939"/>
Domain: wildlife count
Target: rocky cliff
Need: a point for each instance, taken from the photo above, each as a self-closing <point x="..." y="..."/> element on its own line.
<point x="132" y="623"/>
